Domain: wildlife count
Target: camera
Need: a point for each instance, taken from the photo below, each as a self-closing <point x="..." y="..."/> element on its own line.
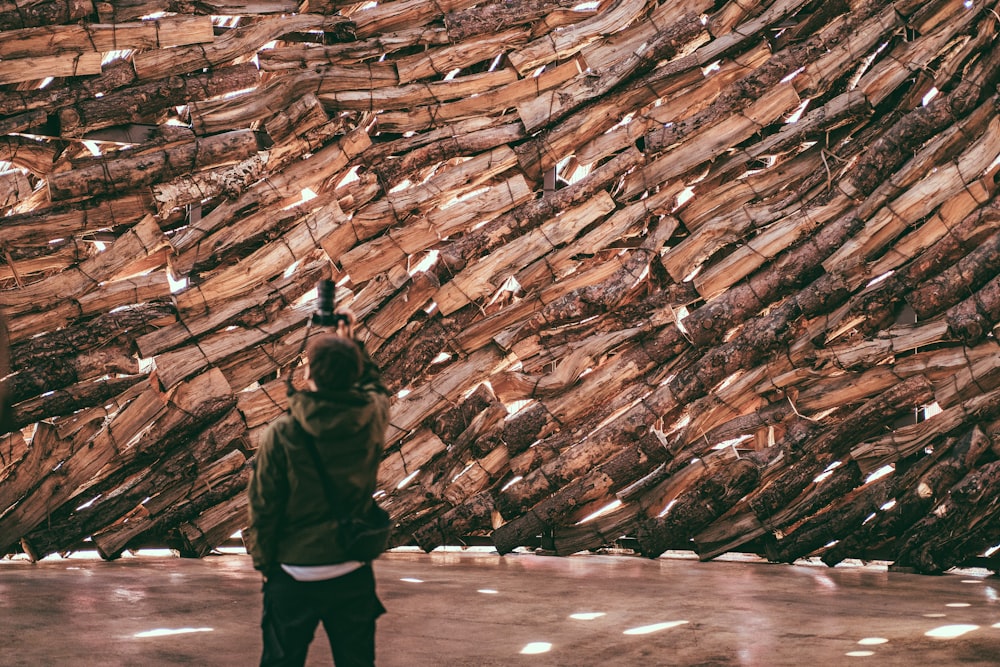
<point x="324" y="315"/>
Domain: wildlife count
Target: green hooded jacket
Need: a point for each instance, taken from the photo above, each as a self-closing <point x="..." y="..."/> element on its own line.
<point x="289" y="519"/>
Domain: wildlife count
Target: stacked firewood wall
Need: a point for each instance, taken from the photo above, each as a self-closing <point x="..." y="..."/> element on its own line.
<point x="717" y="275"/>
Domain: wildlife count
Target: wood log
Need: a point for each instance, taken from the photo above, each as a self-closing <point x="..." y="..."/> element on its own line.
<point x="395" y="208"/>
<point x="14" y="187"/>
<point x="114" y="75"/>
<point x="914" y="501"/>
<point x="184" y="448"/>
<point x="289" y="183"/>
<point x="929" y="545"/>
<point x="114" y="11"/>
<point x="146" y="101"/>
<point x="158" y="63"/>
<point x="42" y="226"/>
<point x="367" y="259"/>
<point x="752" y="516"/>
<point x="124" y="174"/>
<point x="975" y="318"/>
<point x="482" y="278"/>
<point x="200" y="535"/>
<point x="67" y="400"/>
<point x="484" y="19"/>
<point x="15" y="14"/>
<point x="40" y="67"/>
<point x="704" y="499"/>
<point x="111" y="541"/>
<point x="505" y="95"/>
<point x="35" y="155"/>
<point x="908" y="440"/>
<point x="83" y="38"/>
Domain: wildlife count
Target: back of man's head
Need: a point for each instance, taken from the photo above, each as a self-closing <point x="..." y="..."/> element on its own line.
<point x="335" y="362"/>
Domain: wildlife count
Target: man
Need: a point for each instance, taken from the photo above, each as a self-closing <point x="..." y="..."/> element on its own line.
<point x="293" y="533"/>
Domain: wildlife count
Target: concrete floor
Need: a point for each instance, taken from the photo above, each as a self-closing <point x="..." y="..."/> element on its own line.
<point x="477" y="608"/>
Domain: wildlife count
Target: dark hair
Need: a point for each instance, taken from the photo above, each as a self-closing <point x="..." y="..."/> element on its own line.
<point x="335" y="362"/>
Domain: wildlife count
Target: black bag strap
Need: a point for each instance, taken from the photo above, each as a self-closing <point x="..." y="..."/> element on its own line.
<point x="324" y="479"/>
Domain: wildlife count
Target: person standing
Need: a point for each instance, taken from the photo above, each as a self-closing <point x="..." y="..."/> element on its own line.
<point x="293" y="533"/>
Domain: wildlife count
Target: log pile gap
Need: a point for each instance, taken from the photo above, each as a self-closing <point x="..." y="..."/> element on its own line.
<point x="709" y="275"/>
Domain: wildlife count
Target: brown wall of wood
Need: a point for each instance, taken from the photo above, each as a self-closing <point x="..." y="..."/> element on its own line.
<point x="729" y="271"/>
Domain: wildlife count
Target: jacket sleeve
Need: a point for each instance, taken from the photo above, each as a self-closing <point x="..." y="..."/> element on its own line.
<point x="267" y="493"/>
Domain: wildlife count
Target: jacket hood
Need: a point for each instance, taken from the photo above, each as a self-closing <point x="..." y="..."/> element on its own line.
<point x="332" y="414"/>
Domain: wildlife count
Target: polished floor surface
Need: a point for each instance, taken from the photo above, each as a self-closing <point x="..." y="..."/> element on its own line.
<point x="478" y="608"/>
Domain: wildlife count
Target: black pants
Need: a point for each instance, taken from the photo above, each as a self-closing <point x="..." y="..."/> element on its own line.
<point x="347" y="606"/>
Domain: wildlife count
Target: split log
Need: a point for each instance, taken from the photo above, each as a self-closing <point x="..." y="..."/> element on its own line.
<point x="914" y="501"/>
<point x="67" y="400"/>
<point x="551" y="107"/>
<point x="84" y="38"/>
<point x="48" y="485"/>
<point x="464" y="54"/>
<point x="13" y="448"/>
<point x="35" y="155"/>
<point x="571" y="39"/>
<point x="411" y="456"/>
<point x="415" y="407"/>
<point x="922" y="196"/>
<point x="258" y="306"/>
<point x="269" y="261"/>
<point x="396" y="207"/>
<point x="256" y="105"/>
<point x="394" y="314"/>
<point x="891" y="149"/>
<point x="439" y="145"/>
<point x="40" y="67"/>
<point x="15" y="14"/>
<point x="158" y="63"/>
<point x="210" y="350"/>
<point x="147" y="517"/>
<point x="483" y="277"/>
<point x="366" y="260"/>
<point x="115" y="11"/>
<point x="44" y="226"/>
<point x="121" y="175"/>
<point x="183" y="450"/>
<point x="940" y="541"/>
<point x="406" y="13"/>
<point x="289" y="183"/>
<point x="143" y="239"/>
<point x="218" y="521"/>
<point x="907" y="440"/>
<point x="507" y="92"/>
<point x="143" y="102"/>
<point x="456" y="255"/>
